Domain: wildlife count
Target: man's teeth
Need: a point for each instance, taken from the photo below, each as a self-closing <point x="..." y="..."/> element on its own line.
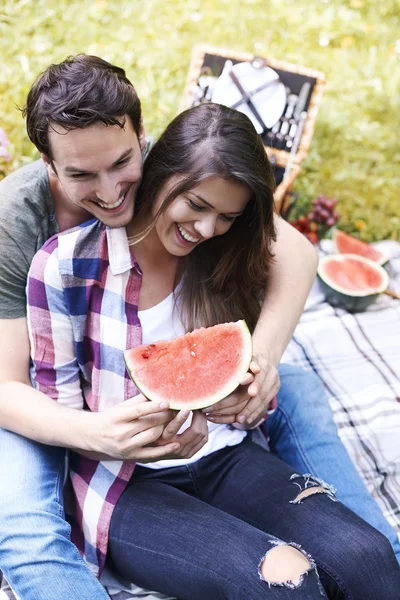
<point x="186" y="236"/>
<point x="114" y="205"/>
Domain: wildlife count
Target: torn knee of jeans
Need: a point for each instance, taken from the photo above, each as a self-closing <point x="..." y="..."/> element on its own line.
<point x="285" y="565"/>
<point x="310" y="485"/>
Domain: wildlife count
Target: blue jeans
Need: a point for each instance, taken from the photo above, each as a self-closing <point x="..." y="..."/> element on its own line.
<point x="36" y="554"/>
<point x="302" y="433"/>
<point x="202" y="530"/>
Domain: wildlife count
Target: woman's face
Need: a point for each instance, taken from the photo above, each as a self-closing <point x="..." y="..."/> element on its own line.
<point x="203" y="212"/>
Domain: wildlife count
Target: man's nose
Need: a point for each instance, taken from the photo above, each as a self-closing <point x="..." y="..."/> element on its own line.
<point x="108" y="189"/>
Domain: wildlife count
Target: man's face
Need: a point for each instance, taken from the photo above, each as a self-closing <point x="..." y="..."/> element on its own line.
<point x="99" y="169"/>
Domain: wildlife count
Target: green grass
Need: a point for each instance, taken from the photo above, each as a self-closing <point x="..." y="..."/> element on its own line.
<point x="355" y="153"/>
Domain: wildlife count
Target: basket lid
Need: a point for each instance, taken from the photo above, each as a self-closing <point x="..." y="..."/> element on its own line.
<point x="281" y="99"/>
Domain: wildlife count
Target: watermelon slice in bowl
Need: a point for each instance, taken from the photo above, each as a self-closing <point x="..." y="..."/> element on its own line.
<point x="351" y="281"/>
<point x="347" y="244"/>
<point x="194" y="370"/>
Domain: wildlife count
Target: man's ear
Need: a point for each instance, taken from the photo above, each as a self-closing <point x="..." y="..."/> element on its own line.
<point x="49" y="165"/>
<point x="142" y="135"/>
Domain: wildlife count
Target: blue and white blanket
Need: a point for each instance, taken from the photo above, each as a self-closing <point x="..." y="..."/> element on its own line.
<point x="357" y="357"/>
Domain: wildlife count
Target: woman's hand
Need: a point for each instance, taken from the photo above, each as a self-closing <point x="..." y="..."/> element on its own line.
<point x="249" y="403"/>
<point x="190" y="440"/>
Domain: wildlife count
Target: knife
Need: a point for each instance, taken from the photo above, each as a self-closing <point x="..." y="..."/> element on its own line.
<point x="302" y="101"/>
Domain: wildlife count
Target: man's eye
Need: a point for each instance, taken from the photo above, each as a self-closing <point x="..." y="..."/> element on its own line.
<point x="78" y="175"/>
<point x="123" y="162"/>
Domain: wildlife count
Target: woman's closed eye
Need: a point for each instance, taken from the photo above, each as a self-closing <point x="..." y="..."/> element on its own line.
<point x="195" y="206"/>
<point x="199" y="208"/>
<point x="227" y="218"/>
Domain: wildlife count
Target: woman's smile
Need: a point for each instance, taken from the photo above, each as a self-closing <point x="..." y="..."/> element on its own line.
<point x="185" y="237"/>
<point x="205" y="211"/>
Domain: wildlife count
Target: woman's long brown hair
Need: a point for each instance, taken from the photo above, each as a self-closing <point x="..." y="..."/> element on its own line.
<point x="224" y="277"/>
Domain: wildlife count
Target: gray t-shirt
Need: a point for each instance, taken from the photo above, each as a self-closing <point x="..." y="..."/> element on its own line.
<point x="27" y="221"/>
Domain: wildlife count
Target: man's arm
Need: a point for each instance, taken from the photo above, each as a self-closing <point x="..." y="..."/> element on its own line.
<point x="289" y="282"/>
<point x="27" y="411"/>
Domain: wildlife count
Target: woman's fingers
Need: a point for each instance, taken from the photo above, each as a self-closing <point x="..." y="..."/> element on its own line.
<point x="193" y="438"/>
<point x="174" y="426"/>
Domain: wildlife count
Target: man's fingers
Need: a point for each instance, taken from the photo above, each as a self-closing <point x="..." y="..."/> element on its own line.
<point x="153" y="453"/>
<point x="146" y="437"/>
<point x="256" y="408"/>
<point x="255" y="367"/>
<point x="227" y="403"/>
<point x="132" y="410"/>
<point x="148" y="421"/>
<point x="253" y="389"/>
<point x="247" y="379"/>
<point x="223" y="419"/>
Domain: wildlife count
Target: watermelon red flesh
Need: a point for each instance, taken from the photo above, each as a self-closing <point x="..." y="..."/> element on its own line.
<point x="352" y="275"/>
<point x="195" y="370"/>
<point x="347" y="244"/>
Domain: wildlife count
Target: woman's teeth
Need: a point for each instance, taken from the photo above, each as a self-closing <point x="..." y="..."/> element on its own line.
<point x="186" y="236"/>
<point x="114" y="205"/>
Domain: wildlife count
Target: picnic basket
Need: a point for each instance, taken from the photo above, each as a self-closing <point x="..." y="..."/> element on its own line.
<point x="287" y="164"/>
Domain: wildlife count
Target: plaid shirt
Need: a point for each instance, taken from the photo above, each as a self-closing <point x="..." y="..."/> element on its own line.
<point x="81" y="319"/>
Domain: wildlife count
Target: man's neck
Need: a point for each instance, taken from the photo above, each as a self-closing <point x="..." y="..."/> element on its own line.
<point x="68" y="215"/>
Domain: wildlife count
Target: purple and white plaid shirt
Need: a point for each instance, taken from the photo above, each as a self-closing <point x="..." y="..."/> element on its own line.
<point x="81" y="318"/>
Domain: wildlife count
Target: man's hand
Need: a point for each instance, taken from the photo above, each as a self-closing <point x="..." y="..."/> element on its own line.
<point x="130" y="430"/>
<point x="142" y="431"/>
<point x="249" y="403"/>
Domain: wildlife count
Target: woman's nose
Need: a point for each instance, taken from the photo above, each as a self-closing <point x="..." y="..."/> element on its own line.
<point x="205" y="226"/>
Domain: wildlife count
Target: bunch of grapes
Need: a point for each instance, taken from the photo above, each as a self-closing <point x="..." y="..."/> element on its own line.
<point x="321" y="218"/>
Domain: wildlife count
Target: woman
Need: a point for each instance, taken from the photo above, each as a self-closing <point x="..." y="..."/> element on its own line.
<point x="228" y="519"/>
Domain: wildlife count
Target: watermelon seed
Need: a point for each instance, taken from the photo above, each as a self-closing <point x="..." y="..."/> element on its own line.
<point x="193" y="353"/>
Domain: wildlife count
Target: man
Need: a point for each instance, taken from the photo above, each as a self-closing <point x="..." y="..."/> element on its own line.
<point x="84" y="117"/>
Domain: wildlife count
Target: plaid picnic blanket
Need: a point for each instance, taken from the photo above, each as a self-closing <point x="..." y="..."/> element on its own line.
<point x="357" y="357"/>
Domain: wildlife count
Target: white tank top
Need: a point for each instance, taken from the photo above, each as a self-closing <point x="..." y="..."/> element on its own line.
<point x="162" y="322"/>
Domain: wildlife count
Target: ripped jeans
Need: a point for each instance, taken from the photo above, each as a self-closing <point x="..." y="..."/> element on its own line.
<point x="204" y="530"/>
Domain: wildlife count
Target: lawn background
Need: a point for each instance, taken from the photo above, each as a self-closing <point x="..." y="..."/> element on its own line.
<point x="355" y="154"/>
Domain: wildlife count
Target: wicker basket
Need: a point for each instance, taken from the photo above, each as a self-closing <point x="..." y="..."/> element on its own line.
<point x="211" y="60"/>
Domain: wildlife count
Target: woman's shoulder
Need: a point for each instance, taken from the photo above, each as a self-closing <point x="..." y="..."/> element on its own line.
<point x="71" y="252"/>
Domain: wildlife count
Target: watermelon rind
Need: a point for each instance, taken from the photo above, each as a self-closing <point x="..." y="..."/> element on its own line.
<point x="351" y="300"/>
<point x="205" y="400"/>
<point x="348" y="244"/>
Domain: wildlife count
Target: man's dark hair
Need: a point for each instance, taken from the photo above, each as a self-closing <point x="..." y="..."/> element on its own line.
<point x="78" y="92"/>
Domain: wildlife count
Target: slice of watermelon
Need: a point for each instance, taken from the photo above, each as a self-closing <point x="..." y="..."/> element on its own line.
<point x="195" y="370"/>
<point x="347" y="244"/>
<point x="351" y="281"/>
